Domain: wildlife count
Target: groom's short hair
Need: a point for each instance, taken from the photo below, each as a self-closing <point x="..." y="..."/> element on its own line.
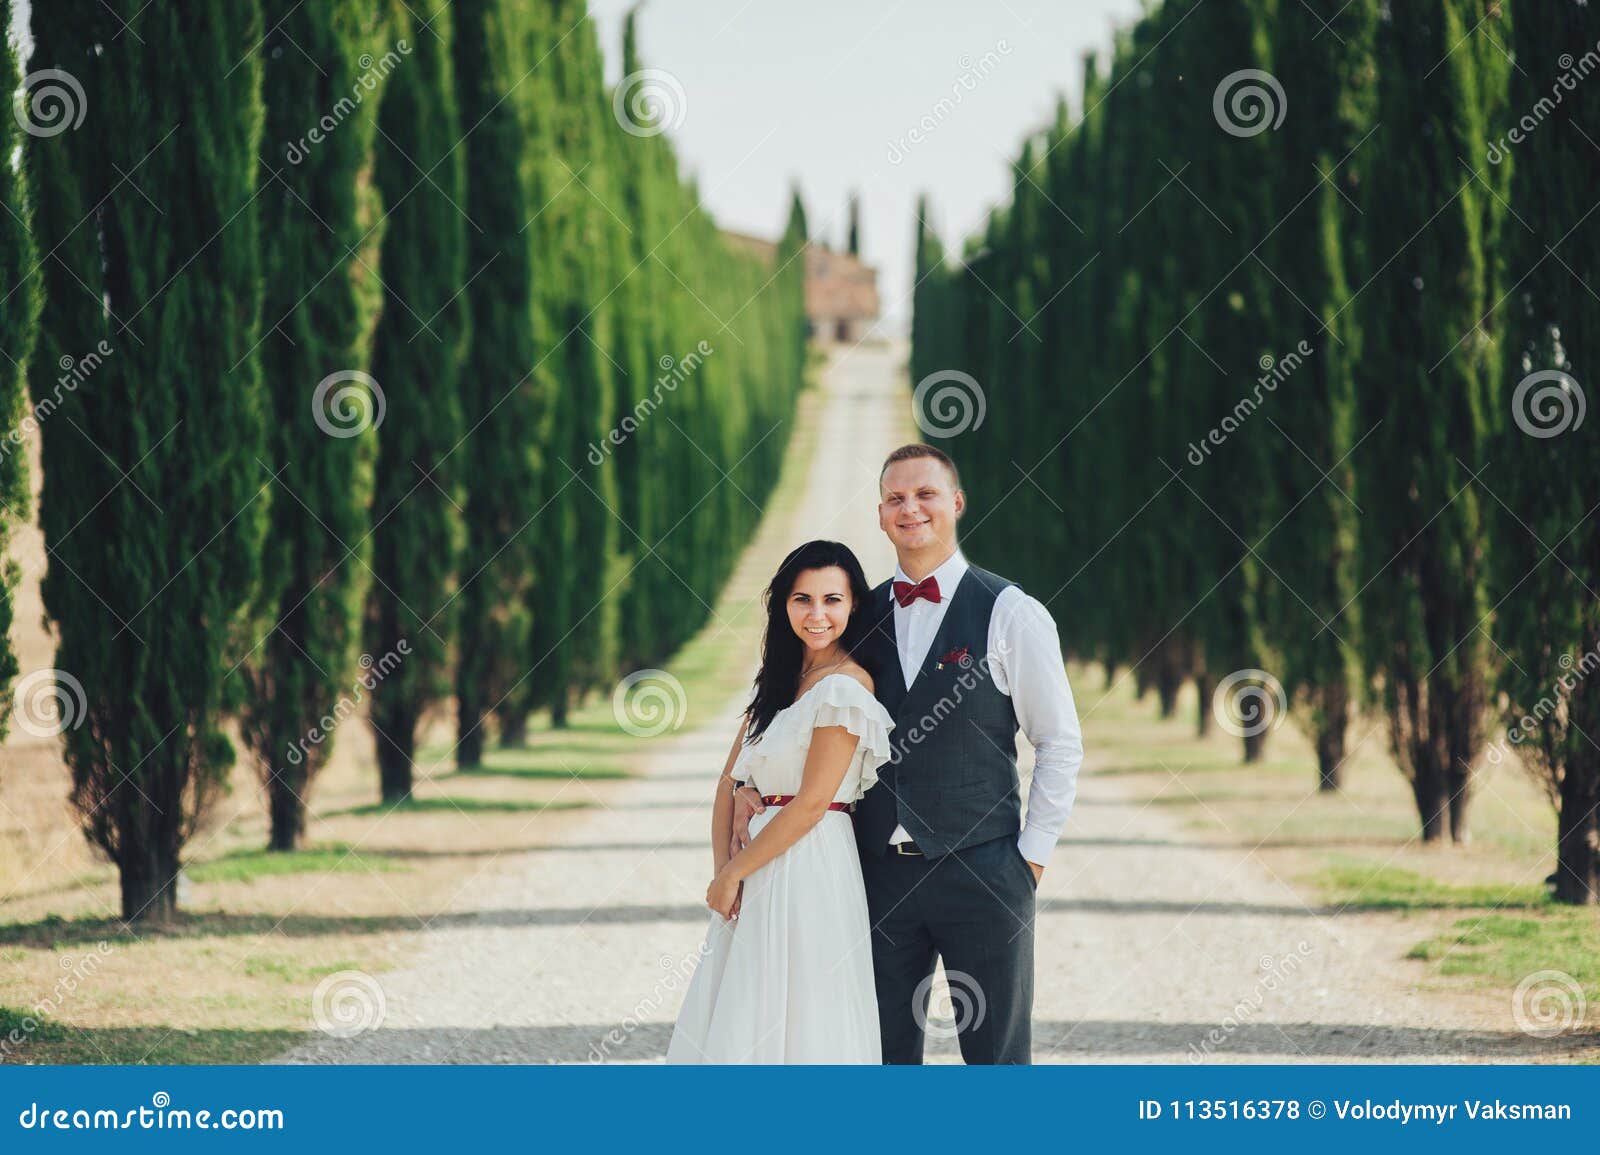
<point x="915" y="450"/>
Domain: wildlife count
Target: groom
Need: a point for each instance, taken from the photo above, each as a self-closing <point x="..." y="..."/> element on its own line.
<point x="962" y="659"/>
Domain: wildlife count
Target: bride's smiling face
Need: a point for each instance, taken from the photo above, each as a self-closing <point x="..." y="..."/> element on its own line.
<point x="819" y="606"/>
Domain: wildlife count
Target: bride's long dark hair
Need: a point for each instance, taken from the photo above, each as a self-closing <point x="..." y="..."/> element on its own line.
<point x="782" y="652"/>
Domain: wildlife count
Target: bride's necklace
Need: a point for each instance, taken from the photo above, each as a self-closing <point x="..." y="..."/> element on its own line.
<point x="835" y="665"/>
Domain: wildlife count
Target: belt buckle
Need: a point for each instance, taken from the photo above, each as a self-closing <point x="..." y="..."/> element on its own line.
<point x="901" y="849"/>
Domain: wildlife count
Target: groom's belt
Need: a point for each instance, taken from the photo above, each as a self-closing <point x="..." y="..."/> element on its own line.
<point x="785" y="799"/>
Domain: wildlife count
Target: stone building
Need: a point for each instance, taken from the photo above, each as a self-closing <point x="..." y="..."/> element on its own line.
<point x="841" y="289"/>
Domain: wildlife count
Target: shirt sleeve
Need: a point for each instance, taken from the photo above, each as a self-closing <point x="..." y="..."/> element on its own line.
<point x="1025" y="649"/>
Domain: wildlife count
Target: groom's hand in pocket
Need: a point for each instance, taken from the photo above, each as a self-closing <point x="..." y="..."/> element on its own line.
<point x="746" y="805"/>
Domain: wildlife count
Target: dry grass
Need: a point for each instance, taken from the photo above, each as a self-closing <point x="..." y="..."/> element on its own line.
<point x="1275" y="806"/>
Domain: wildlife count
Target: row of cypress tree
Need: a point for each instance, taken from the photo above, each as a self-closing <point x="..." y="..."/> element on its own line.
<point x="428" y="377"/>
<point x="1252" y="335"/>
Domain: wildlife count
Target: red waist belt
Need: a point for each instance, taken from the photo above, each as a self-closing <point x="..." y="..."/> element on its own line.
<point x="785" y="799"/>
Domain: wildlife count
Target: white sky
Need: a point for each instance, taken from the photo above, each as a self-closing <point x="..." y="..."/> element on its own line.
<point x="777" y="91"/>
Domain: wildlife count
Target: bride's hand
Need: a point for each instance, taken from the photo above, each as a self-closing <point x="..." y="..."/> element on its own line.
<point x="746" y="805"/>
<point x="722" y="895"/>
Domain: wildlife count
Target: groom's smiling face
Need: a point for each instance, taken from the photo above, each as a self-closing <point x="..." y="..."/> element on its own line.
<point x="919" y="504"/>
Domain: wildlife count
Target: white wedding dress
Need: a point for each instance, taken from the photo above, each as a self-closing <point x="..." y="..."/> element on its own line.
<point x="790" y="980"/>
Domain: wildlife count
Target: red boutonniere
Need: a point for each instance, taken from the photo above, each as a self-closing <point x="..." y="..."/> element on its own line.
<point x="958" y="655"/>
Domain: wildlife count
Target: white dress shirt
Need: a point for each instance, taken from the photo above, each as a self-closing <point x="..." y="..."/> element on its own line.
<point x="1024" y="656"/>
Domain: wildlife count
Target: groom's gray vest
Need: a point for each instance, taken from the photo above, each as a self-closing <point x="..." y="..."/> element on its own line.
<point x="951" y="778"/>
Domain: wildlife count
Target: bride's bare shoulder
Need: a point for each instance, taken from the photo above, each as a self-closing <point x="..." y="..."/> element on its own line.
<point x="859" y="673"/>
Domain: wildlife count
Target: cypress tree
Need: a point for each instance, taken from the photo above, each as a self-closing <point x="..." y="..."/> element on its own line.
<point x="644" y="336"/>
<point x="1089" y="454"/>
<point x="665" y="352"/>
<point x="1323" y="57"/>
<point x="1156" y="566"/>
<point x="416" y="360"/>
<point x="1424" y="385"/>
<point x="929" y="296"/>
<point x="320" y="302"/>
<point x="854" y="241"/>
<point x="148" y="209"/>
<point x="18" y="316"/>
<point x="1546" y="544"/>
<point x="575" y="610"/>
<point x="1053" y="453"/>
<point x="498" y="391"/>
<point x="791" y="273"/>
<point x="1021" y="439"/>
<point x="1218" y="190"/>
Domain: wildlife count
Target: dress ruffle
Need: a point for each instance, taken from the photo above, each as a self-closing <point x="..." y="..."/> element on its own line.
<point x="847" y="703"/>
<point x="837" y="700"/>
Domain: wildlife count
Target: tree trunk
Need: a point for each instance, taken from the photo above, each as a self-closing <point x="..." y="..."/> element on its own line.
<point x="149" y="885"/>
<point x="1111" y="674"/>
<point x="1141" y="683"/>
<point x="287" y="811"/>
<point x="470" y="719"/>
<point x="1459" y="782"/>
<point x="395" y="766"/>
<point x="1255" y="746"/>
<point x="1167" y="687"/>
<point x="1333" y="719"/>
<point x="1578" y="833"/>
<point x="1205" y="686"/>
<point x="513" y="729"/>
<point x="558" y="712"/>
<point x="1428" y="788"/>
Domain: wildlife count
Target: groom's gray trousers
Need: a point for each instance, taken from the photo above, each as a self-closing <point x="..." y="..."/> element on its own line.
<point x="974" y="908"/>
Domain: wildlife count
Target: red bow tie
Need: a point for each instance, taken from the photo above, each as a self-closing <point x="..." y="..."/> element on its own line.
<point x="905" y="593"/>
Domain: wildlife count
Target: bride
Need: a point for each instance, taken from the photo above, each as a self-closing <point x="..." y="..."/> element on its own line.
<point x="786" y="976"/>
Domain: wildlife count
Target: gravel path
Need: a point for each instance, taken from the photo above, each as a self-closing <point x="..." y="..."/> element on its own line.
<point x="1154" y="945"/>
